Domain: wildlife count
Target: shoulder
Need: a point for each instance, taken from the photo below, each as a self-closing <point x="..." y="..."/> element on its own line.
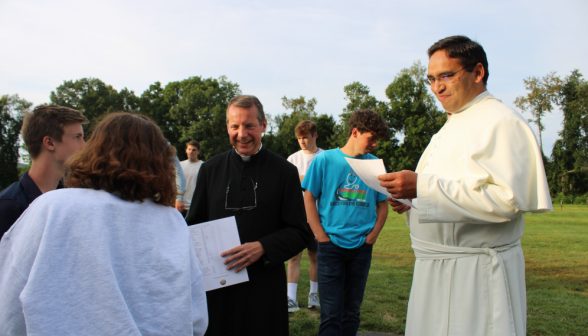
<point x="12" y="192"/>
<point x="294" y="156"/>
<point x="279" y="162"/>
<point x="216" y="160"/>
<point x="327" y="154"/>
<point x="73" y="197"/>
<point x="14" y="196"/>
<point x="495" y="112"/>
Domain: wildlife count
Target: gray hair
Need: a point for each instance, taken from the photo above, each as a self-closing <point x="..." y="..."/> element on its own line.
<point x="247" y="101"/>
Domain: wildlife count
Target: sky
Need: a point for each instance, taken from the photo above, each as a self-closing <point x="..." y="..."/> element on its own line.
<point x="274" y="49"/>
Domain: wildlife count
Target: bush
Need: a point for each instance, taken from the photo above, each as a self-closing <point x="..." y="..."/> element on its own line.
<point x="570" y="199"/>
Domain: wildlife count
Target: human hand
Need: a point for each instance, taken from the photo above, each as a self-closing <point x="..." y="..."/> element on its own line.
<point x="180" y="206"/>
<point x="402" y="184"/>
<point x="245" y="255"/>
<point x="371" y="238"/>
<point x="398" y="207"/>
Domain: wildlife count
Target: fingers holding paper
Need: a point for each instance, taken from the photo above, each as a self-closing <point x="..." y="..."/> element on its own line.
<point x="243" y="255"/>
<point x="402" y="184"/>
<point x="398" y="207"/>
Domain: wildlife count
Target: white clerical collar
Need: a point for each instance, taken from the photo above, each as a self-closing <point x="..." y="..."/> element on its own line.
<point x="476" y="99"/>
<point x="248" y="158"/>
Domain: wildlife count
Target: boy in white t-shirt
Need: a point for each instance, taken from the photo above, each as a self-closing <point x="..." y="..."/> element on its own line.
<point x="306" y="133"/>
<point x="191" y="168"/>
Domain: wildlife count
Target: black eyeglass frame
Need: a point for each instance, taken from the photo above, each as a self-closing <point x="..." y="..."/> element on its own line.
<point x="441" y="79"/>
<point x="243" y="208"/>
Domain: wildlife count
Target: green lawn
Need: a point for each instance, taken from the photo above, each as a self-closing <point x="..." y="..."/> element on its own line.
<point x="556" y="254"/>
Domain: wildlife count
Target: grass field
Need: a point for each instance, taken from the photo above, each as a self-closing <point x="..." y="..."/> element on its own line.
<point x="556" y="254"/>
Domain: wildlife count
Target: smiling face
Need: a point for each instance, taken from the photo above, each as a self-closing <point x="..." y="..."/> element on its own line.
<point x="72" y="141"/>
<point x="244" y="129"/>
<point x="462" y="87"/>
<point x="307" y="141"/>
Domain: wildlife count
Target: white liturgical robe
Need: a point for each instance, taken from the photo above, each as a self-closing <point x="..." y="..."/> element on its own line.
<point x="476" y="179"/>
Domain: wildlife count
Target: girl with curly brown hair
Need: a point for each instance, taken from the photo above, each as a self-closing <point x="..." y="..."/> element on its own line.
<point x="108" y="255"/>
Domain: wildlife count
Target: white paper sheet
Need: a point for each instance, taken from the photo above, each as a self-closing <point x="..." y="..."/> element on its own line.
<point x="368" y="171"/>
<point x="210" y="239"/>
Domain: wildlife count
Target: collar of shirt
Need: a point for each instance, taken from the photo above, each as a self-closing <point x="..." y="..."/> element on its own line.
<point x="476" y="99"/>
<point x="248" y="158"/>
<point x="31" y="189"/>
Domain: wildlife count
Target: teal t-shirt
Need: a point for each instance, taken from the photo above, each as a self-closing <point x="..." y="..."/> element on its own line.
<point x="346" y="205"/>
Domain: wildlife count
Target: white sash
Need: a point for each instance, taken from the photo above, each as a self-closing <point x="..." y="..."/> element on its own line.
<point x="500" y="302"/>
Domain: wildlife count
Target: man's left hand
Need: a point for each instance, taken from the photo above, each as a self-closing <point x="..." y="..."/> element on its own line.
<point x="180" y="206"/>
<point x="244" y="255"/>
<point x="402" y="184"/>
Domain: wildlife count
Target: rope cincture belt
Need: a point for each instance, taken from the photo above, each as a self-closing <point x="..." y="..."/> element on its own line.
<point x="502" y="315"/>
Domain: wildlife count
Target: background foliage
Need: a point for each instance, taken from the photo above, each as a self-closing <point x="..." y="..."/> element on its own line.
<point x="11" y="115"/>
<point x="194" y="108"/>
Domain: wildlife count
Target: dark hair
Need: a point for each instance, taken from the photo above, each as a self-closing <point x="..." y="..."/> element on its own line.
<point x="126" y="153"/>
<point x="305" y="126"/>
<point x="368" y="121"/>
<point x="469" y="52"/>
<point x="247" y="101"/>
<point x="193" y="143"/>
<point x="47" y="120"/>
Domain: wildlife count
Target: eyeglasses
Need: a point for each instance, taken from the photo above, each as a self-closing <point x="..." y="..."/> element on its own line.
<point x="441" y="79"/>
<point x="243" y="208"/>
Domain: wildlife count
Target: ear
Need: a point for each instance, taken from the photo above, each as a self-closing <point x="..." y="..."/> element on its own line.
<point x="48" y="143"/>
<point x="479" y="73"/>
<point x="315" y="135"/>
<point x="354" y="133"/>
<point x="264" y="126"/>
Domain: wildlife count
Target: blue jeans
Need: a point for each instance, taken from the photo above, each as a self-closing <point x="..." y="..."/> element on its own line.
<point x="342" y="275"/>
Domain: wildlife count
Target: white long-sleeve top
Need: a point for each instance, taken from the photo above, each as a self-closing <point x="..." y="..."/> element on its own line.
<point x="478" y="176"/>
<point x="85" y="262"/>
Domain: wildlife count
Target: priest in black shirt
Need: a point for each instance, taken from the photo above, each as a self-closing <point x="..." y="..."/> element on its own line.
<point x="262" y="191"/>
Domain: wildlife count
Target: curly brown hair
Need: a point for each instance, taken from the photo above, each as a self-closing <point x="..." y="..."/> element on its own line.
<point x="128" y="154"/>
<point x="368" y="121"/>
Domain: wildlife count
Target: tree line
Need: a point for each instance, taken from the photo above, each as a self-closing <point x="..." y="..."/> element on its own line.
<point x="194" y="108"/>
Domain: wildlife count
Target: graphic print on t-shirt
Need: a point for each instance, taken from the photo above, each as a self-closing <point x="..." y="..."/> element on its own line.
<point x="349" y="193"/>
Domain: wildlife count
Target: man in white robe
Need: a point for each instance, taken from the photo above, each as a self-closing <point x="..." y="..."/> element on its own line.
<point x="473" y="184"/>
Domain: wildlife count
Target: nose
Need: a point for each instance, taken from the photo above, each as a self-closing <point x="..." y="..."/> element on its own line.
<point x="437" y="86"/>
<point x="242" y="132"/>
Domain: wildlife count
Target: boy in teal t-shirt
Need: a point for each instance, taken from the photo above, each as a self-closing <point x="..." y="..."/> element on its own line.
<point x="346" y="217"/>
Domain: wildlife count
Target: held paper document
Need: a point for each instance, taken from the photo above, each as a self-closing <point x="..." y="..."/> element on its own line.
<point x="210" y="239"/>
<point x="368" y="171"/>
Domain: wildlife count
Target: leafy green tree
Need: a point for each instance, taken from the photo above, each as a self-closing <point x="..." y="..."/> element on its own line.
<point x="94" y="98"/>
<point x="12" y="110"/>
<point x="568" y="169"/>
<point x="325" y="127"/>
<point x="192" y="109"/>
<point x="542" y="95"/>
<point x="283" y="141"/>
<point x="412" y="113"/>
<point x="358" y="97"/>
